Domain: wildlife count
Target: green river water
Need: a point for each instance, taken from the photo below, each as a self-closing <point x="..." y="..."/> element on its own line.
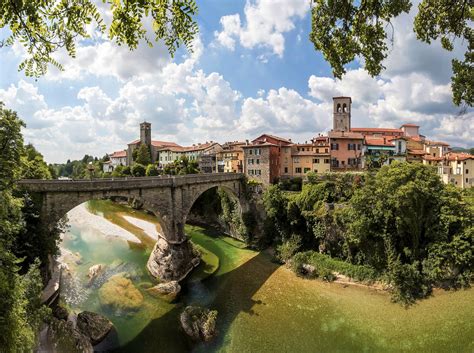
<point x="262" y="307"/>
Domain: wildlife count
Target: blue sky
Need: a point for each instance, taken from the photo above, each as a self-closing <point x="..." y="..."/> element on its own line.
<point x="253" y="70"/>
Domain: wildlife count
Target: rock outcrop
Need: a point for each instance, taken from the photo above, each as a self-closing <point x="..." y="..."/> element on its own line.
<point x="199" y="323"/>
<point x="166" y="290"/>
<point x="172" y="262"/>
<point x="94" y="272"/>
<point x="120" y="293"/>
<point x="95" y="326"/>
<point x="63" y="337"/>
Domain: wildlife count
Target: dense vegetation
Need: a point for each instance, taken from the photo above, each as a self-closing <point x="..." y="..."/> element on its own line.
<point x="23" y="242"/>
<point x="402" y="225"/>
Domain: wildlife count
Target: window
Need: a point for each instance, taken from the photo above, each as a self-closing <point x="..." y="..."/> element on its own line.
<point x="250" y="151"/>
<point x="259" y="172"/>
<point x="326" y="160"/>
<point x="334" y="162"/>
<point x="250" y="161"/>
<point x="316" y="171"/>
<point x="326" y="150"/>
<point x="334" y="146"/>
<point x="467" y="171"/>
<point x="315" y="160"/>
<point x="286" y="170"/>
<point x="258" y="161"/>
<point x="298" y="170"/>
<point x="359" y="146"/>
<point x="350" y="146"/>
<point x="296" y="160"/>
<point x="306" y="170"/>
<point x="257" y="151"/>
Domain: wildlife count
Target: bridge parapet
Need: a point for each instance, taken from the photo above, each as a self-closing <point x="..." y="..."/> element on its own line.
<point x="126" y="183"/>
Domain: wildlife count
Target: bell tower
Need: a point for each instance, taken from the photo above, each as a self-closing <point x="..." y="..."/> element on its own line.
<point x="342" y="113"/>
<point x="145" y="133"/>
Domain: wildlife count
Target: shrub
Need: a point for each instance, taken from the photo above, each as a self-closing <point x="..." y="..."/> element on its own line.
<point x="138" y="170"/>
<point x="325" y="264"/>
<point x="289" y="247"/>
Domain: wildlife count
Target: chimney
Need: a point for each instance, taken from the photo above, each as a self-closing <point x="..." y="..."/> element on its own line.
<point x="246" y="142"/>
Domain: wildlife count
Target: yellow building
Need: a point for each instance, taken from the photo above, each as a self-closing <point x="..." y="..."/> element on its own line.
<point x="231" y="157"/>
<point x="457" y="169"/>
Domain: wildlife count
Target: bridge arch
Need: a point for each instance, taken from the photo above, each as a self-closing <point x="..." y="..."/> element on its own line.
<point x="169" y="198"/>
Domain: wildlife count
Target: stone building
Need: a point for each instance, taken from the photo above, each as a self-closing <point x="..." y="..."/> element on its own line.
<point x="262" y="158"/>
<point x="145" y="138"/>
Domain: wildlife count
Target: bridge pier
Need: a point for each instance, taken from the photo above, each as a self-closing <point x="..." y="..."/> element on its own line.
<point x="171" y="261"/>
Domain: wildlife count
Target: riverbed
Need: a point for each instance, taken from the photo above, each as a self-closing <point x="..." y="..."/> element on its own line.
<point x="262" y="307"/>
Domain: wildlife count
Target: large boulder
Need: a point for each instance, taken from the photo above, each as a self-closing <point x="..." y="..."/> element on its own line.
<point x="94" y="326"/>
<point x="94" y="272"/>
<point x="166" y="290"/>
<point x="62" y="337"/>
<point x="120" y="293"/>
<point x="172" y="262"/>
<point x="199" y="323"/>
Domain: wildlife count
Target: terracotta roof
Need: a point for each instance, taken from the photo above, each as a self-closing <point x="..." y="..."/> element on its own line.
<point x="273" y="137"/>
<point x="156" y="143"/>
<point x="346" y="135"/>
<point x="459" y="156"/>
<point x="436" y="143"/>
<point x="410" y="125"/>
<point x="431" y="158"/>
<point x="119" y="154"/>
<point x="375" y="129"/>
<point x="416" y="152"/>
<point x="263" y="144"/>
<point x="416" y="138"/>
<point x="378" y="141"/>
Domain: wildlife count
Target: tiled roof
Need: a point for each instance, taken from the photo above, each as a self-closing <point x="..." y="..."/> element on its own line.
<point x="376" y="129"/>
<point x="436" y="143"/>
<point x="378" y="141"/>
<point x="416" y="152"/>
<point x="410" y="125"/>
<point x="274" y="137"/>
<point x="347" y="135"/>
<point x="432" y="158"/>
<point x="119" y="154"/>
<point x="156" y="143"/>
<point x="459" y="156"/>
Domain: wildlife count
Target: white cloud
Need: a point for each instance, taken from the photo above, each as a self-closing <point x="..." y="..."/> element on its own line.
<point x="265" y="23"/>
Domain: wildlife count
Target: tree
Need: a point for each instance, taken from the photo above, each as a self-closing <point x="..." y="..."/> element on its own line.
<point x="45" y="27"/>
<point x="344" y="30"/>
<point x="401" y="220"/>
<point x="33" y="164"/>
<point x="20" y="308"/>
<point x="143" y="155"/>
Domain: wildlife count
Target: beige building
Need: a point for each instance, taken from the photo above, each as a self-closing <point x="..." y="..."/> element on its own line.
<point x="457" y="169"/>
<point x="231" y="158"/>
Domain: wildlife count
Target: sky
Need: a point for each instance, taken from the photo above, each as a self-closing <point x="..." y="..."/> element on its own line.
<point x="252" y="70"/>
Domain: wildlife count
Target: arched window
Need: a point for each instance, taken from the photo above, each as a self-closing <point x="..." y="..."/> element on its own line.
<point x="339" y="110"/>
<point x="344" y="108"/>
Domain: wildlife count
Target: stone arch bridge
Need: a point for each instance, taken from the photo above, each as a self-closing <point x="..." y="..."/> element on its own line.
<point x="169" y="198"/>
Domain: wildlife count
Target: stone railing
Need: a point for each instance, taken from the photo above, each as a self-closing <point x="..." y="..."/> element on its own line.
<point x="37" y="185"/>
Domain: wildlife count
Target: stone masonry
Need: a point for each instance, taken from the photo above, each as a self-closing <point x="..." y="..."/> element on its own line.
<point x="169" y="198"/>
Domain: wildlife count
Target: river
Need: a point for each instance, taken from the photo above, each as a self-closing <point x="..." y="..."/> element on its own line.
<point x="262" y="307"/>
